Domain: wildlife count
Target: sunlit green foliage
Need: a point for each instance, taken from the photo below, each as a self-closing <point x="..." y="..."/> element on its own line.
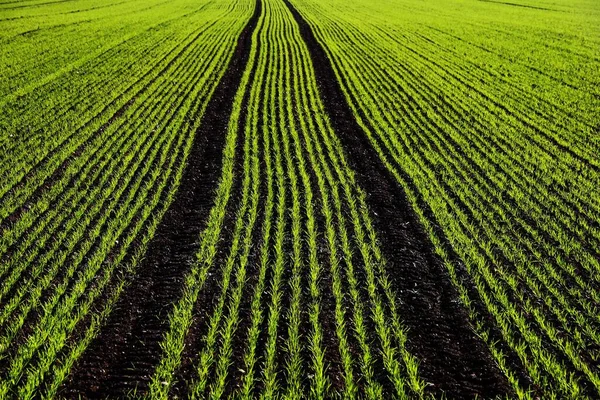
<point x="488" y="114"/>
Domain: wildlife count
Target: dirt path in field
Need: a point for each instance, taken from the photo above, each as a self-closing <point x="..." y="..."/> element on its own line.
<point x="127" y="350"/>
<point x="452" y="357"/>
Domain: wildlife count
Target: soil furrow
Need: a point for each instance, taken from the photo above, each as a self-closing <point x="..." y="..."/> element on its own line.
<point x="209" y="296"/>
<point x="452" y="357"/>
<point x="126" y="352"/>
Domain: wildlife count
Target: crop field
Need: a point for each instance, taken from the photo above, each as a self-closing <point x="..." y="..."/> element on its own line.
<point x="392" y="199"/>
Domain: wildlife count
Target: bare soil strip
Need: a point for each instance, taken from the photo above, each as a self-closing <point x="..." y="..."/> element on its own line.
<point x="209" y="296"/>
<point x="519" y="5"/>
<point x="125" y="353"/>
<point x="453" y="359"/>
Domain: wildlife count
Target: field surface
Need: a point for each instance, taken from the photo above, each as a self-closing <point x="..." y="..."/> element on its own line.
<point x="298" y="199"/>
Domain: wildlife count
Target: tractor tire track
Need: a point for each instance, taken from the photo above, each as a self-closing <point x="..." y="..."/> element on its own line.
<point x="126" y="352"/>
<point x="452" y="358"/>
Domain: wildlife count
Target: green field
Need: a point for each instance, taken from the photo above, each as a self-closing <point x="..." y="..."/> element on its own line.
<point x="300" y="199"/>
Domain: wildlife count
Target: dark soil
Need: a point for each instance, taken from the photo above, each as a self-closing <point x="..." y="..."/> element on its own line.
<point x="452" y="358"/>
<point x="519" y="5"/>
<point x="127" y="350"/>
<point x="209" y="296"/>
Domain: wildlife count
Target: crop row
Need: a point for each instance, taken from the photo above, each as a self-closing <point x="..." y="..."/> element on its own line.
<point x="60" y="112"/>
<point x="301" y="300"/>
<point x="501" y="176"/>
<point x="72" y="230"/>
